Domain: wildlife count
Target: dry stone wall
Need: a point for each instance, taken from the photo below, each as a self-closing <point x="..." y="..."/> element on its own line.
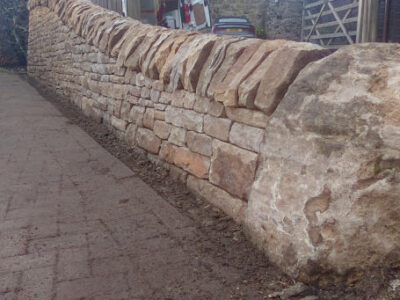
<point x="207" y="107"/>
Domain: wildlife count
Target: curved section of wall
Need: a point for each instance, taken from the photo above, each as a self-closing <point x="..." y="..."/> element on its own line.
<point x="228" y="117"/>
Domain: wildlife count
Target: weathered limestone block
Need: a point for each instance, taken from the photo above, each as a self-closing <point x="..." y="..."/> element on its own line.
<point x="246" y="137"/>
<point x="162" y="129"/>
<point x="233" y="169"/>
<point x="232" y="206"/>
<point x="147" y="140"/>
<point x="250" y="117"/>
<point x="217" y="127"/>
<point x="233" y="53"/>
<point x="199" y="143"/>
<point x="281" y="70"/>
<point x="193" y="163"/>
<point x="227" y="91"/>
<point x="327" y="191"/>
<point x="188" y="119"/>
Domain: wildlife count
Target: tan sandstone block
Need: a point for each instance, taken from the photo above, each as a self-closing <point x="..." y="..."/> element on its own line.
<point x="165" y="66"/>
<point x="188" y="119"/>
<point x="125" y="110"/>
<point x="232" y="206"/>
<point x="250" y="117"/>
<point x="162" y="129"/>
<point x="217" y="127"/>
<point x="130" y="135"/>
<point x="227" y="91"/>
<point x="246" y="137"/>
<point x="193" y="163"/>
<point x="198" y="55"/>
<point x="178" y="136"/>
<point x="163" y="51"/>
<point x="133" y="61"/>
<point x="199" y="143"/>
<point x="233" y="169"/>
<point x="118" y="123"/>
<point x="147" y="140"/>
<point x="283" y="68"/>
<point x="233" y="54"/>
<point x="136" y="115"/>
<point x="148" y="118"/>
<point x="213" y="62"/>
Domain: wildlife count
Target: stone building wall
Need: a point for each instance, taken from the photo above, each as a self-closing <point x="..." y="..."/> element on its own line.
<point x="280" y="19"/>
<point x="298" y="155"/>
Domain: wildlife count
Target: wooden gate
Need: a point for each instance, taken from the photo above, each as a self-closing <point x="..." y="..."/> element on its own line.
<point x="330" y="23"/>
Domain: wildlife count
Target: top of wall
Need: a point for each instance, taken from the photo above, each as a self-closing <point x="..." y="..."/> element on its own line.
<point x="238" y="72"/>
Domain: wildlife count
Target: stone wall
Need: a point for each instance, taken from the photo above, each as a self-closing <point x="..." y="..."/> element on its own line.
<point x="280" y="19"/>
<point x="258" y="128"/>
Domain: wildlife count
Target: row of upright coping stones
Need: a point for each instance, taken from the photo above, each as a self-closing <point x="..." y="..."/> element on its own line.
<point x="238" y="72"/>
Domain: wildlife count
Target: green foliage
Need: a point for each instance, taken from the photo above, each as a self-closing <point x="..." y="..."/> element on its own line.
<point x="13" y="32"/>
<point x="260" y="32"/>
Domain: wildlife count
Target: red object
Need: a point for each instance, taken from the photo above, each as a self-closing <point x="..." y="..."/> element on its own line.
<point x="252" y="29"/>
<point x="187" y="13"/>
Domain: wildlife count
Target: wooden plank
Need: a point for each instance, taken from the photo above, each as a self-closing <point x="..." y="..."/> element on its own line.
<point x="329" y="12"/>
<point x="316" y="22"/>
<point x="338" y="27"/>
<point x="341" y="24"/>
<point x="321" y="41"/>
<point x="333" y="35"/>
<point x="333" y="23"/>
<point x="360" y="20"/>
<point x="316" y="3"/>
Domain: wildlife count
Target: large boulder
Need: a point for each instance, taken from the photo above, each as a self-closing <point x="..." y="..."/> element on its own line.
<point x="327" y="191"/>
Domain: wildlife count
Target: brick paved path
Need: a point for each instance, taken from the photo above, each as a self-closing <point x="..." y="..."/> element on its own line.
<point x="75" y="223"/>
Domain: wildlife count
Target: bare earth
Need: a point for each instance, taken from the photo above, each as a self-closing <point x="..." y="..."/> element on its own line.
<point x="78" y="221"/>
